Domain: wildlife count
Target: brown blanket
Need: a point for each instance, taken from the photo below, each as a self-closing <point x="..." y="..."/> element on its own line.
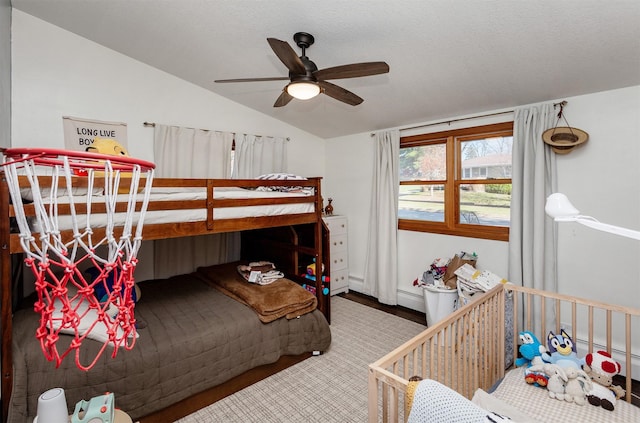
<point x="282" y="298"/>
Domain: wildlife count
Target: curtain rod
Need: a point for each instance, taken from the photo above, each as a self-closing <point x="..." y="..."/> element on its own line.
<point x="152" y="124"/>
<point x="450" y="121"/>
<point x="560" y="103"/>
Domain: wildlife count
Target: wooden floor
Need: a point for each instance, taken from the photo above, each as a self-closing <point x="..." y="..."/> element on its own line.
<point x="404" y="312"/>
<point x="420" y="317"/>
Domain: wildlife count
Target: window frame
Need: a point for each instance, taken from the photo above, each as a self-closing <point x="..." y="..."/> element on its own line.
<point x="453" y="145"/>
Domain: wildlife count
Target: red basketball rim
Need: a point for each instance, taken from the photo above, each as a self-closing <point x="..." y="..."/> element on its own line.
<point x="78" y="159"/>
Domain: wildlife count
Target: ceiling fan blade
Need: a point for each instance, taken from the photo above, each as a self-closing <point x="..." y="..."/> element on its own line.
<point x="287" y="55"/>
<point x="275" y="78"/>
<point x="340" y="93"/>
<point x="354" y="70"/>
<point x="283" y="100"/>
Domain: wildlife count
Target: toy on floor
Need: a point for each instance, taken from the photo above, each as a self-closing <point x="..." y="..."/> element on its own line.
<point x="531" y="351"/>
<point x="562" y="351"/>
<point x="601" y="368"/>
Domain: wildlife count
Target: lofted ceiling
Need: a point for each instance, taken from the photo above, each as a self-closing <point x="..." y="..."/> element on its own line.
<point x="447" y="58"/>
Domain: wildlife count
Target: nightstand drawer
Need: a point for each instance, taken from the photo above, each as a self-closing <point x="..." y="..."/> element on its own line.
<point x="339" y="261"/>
<point x="339" y="281"/>
<point x="337" y="224"/>
<point x="338" y="243"/>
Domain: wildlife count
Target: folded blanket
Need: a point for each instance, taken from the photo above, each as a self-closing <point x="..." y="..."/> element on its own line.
<point x="260" y="272"/>
<point x="282" y="298"/>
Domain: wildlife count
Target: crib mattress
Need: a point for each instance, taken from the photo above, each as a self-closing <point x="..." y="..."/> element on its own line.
<point x="195" y="338"/>
<point x="536" y="403"/>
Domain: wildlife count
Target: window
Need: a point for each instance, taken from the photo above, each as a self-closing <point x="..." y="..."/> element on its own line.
<point x="457" y="182"/>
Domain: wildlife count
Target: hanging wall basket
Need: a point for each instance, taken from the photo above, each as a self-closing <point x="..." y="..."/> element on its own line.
<point x="563" y="139"/>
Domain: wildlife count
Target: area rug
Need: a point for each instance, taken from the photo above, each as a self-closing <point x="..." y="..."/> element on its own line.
<point x="331" y="387"/>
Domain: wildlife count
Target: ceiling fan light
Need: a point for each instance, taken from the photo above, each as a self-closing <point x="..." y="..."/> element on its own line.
<point x="303" y="90"/>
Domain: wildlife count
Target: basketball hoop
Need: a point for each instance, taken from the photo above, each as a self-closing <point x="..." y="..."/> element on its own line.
<point x="67" y="299"/>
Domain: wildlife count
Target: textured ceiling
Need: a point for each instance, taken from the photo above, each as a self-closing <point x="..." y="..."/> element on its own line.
<point x="447" y="58"/>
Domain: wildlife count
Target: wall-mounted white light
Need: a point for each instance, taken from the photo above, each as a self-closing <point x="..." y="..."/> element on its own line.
<point x="560" y="209"/>
<point x="303" y="90"/>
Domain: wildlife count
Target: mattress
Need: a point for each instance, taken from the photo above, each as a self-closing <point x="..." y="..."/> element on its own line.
<point x="536" y="403"/>
<point x="189" y="215"/>
<point x="194" y="338"/>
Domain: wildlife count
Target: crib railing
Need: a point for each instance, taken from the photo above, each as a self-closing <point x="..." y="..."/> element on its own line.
<point x="592" y="325"/>
<point x="466" y="350"/>
<point x="462" y="351"/>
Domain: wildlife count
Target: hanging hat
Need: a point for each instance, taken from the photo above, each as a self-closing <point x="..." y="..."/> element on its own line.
<point x="563" y="139"/>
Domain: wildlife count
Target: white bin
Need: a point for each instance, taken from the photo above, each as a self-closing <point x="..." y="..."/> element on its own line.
<point x="439" y="302"/>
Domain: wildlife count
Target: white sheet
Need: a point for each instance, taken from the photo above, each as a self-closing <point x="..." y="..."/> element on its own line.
<point x="191" y="215"/>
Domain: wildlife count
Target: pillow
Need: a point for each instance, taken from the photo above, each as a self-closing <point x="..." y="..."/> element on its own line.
<point x="281" y="177"/>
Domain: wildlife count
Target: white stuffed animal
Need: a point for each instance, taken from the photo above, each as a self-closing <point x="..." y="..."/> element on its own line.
<point x="558" y="379"/>
<point x="565" y="383"/>
<point x="578" y="384"/>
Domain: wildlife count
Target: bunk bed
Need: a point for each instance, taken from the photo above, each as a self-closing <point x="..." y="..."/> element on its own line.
<point x="277" y="225"/>
<point x="468" y="360"/>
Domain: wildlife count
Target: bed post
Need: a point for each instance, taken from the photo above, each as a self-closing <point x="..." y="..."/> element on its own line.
<point x="323" y="300"/>
<point x="6" y="327"/>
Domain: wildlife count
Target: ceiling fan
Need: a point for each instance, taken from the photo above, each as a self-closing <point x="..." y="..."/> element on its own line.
<point x="306" y="80"/>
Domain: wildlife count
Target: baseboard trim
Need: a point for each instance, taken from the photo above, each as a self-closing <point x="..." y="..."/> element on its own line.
<point x="406" y="299"/>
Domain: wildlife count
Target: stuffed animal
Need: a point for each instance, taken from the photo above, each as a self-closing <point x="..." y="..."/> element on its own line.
<point x="602" y="368"/>
<point x="107" y="146"/>
<point x="556" y="379"/>
<point x="531" y="351"/>
<point x="578" y="385"/>
<point x="565" y="383"/>
<point x="562" y="351"/>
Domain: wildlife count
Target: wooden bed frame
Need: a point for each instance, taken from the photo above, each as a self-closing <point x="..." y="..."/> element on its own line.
<point x="299" y="251"/>
<point x="465" y="351"/>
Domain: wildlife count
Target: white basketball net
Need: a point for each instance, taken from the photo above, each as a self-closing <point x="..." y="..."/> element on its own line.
<point x="67" y="300"/>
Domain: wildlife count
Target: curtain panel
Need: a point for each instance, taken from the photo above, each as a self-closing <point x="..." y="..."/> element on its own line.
<point x="533" y="240"/>
<point x="192" y="153"/>
<point x="257" y="155"/>
<point x="381" y="262"/>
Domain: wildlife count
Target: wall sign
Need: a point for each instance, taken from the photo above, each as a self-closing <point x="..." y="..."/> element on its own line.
<point x="80" y="133"/>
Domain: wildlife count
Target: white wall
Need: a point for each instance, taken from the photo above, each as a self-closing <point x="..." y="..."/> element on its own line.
<point x="57" y="73"/>
<point x="601" y="178"/>
<point x="5" y="73"/>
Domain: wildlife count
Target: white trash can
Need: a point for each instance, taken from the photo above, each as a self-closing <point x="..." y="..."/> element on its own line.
<point x="439" y="302"/>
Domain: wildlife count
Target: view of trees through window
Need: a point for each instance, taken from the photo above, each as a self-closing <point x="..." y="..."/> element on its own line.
<point x="454" y="179"/>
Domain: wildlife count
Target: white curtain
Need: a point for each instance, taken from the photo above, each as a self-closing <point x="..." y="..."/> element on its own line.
<point x="381" y="262"/>
<point x="532" y="236"/>
<point x="192" y="153"/>
<point x="256" y="155"/>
